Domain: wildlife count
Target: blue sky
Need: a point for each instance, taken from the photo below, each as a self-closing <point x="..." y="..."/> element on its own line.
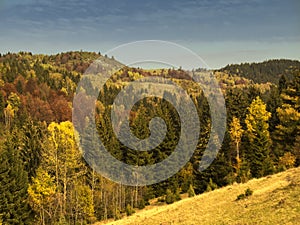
<point x="220" y="31"/>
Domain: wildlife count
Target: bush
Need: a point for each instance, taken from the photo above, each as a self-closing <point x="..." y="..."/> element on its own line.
<point x="241" y="196"/>
<point x="177" y="195"/>
<point x="170" y="197"/>
<point x="129" y="210"/>
<point x="118" y="215"/>
<point x="141" y="204"/>
<point x="161" y="199"/>
<point x="191" y="191"/>
<point x="287" y="161"/>
<point x="211" y="185"/>
<point x="248" y="192"/>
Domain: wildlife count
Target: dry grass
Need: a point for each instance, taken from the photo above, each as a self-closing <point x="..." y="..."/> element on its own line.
<point x="275" y="200"/>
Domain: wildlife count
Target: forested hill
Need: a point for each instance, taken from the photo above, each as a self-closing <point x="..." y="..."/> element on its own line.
<point x="44" y="178"/>
<point x="268" y="71"/>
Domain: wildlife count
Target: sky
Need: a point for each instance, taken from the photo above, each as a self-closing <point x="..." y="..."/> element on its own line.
<point x="220" y="31"/>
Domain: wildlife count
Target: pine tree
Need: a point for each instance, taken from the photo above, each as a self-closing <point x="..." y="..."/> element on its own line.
<point x="14" y="208"/>
<point x="258" y="136"/>
<point x="288" y="130"/>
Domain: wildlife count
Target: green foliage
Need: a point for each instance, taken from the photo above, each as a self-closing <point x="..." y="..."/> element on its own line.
<point x="248" y="192"/>
<point x="240" y="197"/>
<point x="191" y="192"/>
<point x="211" y="185"/>
<point x="129" y="210"/>
<point x="268" y="71"/>
<point x="177" y="194"/>
<point x="258" y="136"/>
<point x="14" y="208"/>
<point x="161" y="199"/>
<point x="170" y="197"/>
<point x="141" y="204"/>
<point x="288" y="130"/>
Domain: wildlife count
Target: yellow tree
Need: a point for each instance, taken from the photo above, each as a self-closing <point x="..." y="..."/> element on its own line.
<point x="236" y="133"/>
<point x="41" y="194"/>
<point x="13" y="103"/>
<point x="8" y="115"/>
<point x="64" y="159"/>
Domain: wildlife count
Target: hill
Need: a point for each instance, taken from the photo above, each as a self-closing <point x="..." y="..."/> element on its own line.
<point x="275" y="200"/>
<point x="36" y="103"/>
<point x="263" y="72"/>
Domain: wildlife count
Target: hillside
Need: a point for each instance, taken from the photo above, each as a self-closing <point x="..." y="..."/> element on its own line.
<point x="37" y="136"/>
<point x="263" y="72"/>
<point x="275" y="200"/>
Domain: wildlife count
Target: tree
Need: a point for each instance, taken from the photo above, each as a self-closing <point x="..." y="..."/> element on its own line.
<point x="13" y="103"/>
<point x="236" y="133"/>
<point x="288" y="130"/>
<point x="282" y="83"/>
<point x="259" y="138"/>
<point x="9" y="114"/>
<point x="64" y="160"/>
<point x="82" y="203"/>
<point x="32" y="144"/>
<point x="14" y="208"/>
<point x="41" y="193"/>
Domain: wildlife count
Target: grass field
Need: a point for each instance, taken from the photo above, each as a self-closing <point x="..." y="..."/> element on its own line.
<point x="275" y="200"/>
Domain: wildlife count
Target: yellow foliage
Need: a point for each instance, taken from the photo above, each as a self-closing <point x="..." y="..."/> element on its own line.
<point x="258" y="116"/>
<point x="42" y="188"/>
<point x="287" y="160"/>
<point x="287" y="114"/>
<point x="236" y="130"/>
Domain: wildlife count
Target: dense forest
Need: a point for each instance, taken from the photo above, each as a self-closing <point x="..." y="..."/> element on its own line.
<point x="268" y="71"/>
<point x="44" y="178"/>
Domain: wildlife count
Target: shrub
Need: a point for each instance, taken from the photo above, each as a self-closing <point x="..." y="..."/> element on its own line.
<point x="241" y="196"/>
<point x="141" y="204"/>
<point x="129" y="210"/>
<point x="287" y="161"/>
<point x="191" y="191"/>
<point x="248" y="192"/>
<point x="170" y="197"/>
<point x="161" y="199"/>
<point x="177" y="195"/>
<point x="211" y="185"/>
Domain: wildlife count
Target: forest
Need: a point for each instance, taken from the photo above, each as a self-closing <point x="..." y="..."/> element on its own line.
<point x="44" y="178"/>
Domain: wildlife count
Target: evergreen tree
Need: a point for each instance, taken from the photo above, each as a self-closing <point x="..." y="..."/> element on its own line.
<point x="288" y="130"/>
<point x="258" y="151"/>
<point x="14" y="208"/>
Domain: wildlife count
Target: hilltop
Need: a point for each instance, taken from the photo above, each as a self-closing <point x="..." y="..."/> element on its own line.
<point x="275" y="200"/>
<point x="263" y="72"/>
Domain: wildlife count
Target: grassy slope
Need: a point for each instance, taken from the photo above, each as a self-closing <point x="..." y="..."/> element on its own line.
<point x="275" y="200"/>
